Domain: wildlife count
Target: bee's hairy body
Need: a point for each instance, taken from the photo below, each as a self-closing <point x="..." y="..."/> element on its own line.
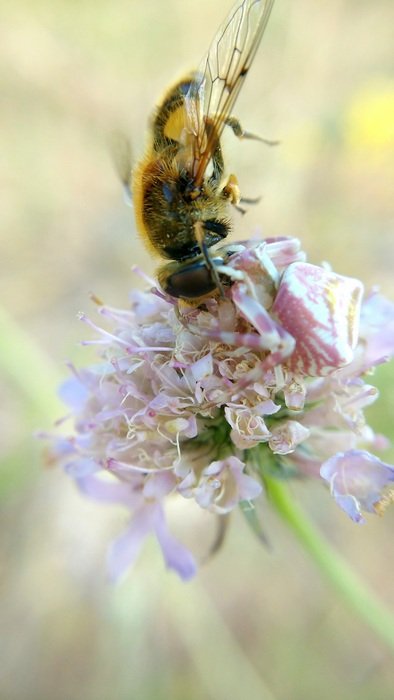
<point x="167" y="204"/>
<point x="180" y="191"/>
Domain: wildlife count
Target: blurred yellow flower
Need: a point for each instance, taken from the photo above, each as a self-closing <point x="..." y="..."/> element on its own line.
<point x="369" y="121"/>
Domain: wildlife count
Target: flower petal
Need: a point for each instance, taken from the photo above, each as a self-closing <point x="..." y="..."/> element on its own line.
<point x="286" y="435"/>
<point x="81" y="467"/>
<point x="377" y="329"/>
<point x="109" y="491"/>
<point x="223" y="484"/>
<point x="73" y="393"/>
<point x="358" y="481"/>
<point x="175" y="555"/>
<point x="126" y="548"/>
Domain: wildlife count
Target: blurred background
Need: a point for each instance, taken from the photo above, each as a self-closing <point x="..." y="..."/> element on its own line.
<point x="257" y="622"/>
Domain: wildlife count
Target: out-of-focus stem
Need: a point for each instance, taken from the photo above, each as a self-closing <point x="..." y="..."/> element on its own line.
<point x="345" y="581"/>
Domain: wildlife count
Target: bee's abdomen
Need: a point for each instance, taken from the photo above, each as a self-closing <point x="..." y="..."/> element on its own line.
<point x="171" y="104"/>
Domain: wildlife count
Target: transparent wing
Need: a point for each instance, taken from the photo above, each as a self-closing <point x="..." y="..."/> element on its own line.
<point x="210" y="101"/>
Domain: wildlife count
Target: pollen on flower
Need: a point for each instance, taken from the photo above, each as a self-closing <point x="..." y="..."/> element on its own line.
<point x="195" y="402"/>
<point x="381" y="505"/>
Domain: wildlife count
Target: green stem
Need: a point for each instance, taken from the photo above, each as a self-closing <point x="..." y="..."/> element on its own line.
<point x="336" y="570"/>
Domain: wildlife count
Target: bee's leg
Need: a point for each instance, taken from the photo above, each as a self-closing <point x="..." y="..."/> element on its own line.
<point x="200" y="238"/>
<point x="240" y="133"/>
<point x="231" y="190"/>
<point x="246" y="200"/>
<point x="250" y="200"/>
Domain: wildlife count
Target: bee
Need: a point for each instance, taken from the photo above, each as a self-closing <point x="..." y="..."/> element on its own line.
<point x="180" y="191"/>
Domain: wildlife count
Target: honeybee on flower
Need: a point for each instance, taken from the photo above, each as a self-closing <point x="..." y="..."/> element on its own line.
<point x="181" y="193"/>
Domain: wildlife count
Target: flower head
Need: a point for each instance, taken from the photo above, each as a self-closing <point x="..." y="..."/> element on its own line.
<point x="199" y="401"/>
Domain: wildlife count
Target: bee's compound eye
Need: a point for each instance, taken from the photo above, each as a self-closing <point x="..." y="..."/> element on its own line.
<point x="188" y="281"/>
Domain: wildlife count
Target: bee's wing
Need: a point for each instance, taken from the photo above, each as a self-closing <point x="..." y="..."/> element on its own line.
<point x="120" y="148"/>
<point x="211" y="99"/>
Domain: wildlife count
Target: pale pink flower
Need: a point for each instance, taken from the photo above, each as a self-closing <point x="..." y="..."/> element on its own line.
<point x="197" y="402"/>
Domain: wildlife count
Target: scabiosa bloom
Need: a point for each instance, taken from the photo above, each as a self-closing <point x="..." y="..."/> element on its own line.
<point x="202" y="401"/>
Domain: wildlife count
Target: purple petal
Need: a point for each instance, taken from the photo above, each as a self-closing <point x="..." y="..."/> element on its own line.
<point x="286" y="435"/>
<point x="176" y="556"/>
<point x="126" y="548"/>
<point x="106" y="491"/>
<point x="230" y="487"/>
<point x="351" y="506"/>
<point x="62" y="446"/>
<point x="249" y="488"/>
<point x="73" y="393"/>
<point x="358" y="481"/>
<point x="146" y="305"/>
<point x="202" y="367"/>
<point x="377" y="328"/>
<point x="159" y="485"/>
<point x="81" y="467"/>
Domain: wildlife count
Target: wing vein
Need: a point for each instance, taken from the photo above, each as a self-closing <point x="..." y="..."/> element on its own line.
<point x="219" y="82"/>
